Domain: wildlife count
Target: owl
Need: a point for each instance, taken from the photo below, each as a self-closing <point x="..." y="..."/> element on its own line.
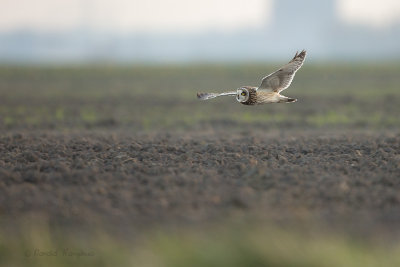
<point x="270" y="88"/>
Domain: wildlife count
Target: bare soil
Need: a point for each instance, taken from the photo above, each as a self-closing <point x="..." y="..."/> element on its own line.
<point x="351" y="180"/>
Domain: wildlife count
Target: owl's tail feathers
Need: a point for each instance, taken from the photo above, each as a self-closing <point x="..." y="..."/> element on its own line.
<point x="285" y="99"/>
<point x="206" y="96"/>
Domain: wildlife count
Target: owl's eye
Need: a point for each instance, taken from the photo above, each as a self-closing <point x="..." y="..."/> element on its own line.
<point x="243" y="93"/>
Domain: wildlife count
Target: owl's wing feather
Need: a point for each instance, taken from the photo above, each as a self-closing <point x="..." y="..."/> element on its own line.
<point x="282" y="78"/>
<point x="206" y="96"/>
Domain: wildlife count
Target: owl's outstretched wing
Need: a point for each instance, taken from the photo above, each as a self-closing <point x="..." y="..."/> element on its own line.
<point x="282" y="78"/>
<point x="206" y="96"/>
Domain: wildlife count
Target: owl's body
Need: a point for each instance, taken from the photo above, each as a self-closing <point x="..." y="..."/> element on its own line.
<point x="261" y="97"/>
<point x="270" y="88"/>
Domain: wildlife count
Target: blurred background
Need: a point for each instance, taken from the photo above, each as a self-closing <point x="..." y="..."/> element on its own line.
<point x="155" y="31"/>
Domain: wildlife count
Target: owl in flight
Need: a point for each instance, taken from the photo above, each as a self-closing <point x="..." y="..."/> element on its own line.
<point x="270" y="88"/>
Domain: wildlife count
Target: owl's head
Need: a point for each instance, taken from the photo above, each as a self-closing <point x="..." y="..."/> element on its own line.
<point x="242" y="95"/>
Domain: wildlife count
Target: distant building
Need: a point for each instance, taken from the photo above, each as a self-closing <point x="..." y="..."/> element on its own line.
<point x="312" y="15"/>
<point x="315" y="25"/>
<point x="303" y="24"/>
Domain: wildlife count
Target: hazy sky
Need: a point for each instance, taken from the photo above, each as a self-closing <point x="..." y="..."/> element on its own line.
<point x="376" y="13"/>
<point x="167" y="15"/>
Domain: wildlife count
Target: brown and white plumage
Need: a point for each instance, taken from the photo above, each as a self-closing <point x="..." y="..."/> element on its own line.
<point x="282" y="78"/>
<point x="270" y="88"/>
